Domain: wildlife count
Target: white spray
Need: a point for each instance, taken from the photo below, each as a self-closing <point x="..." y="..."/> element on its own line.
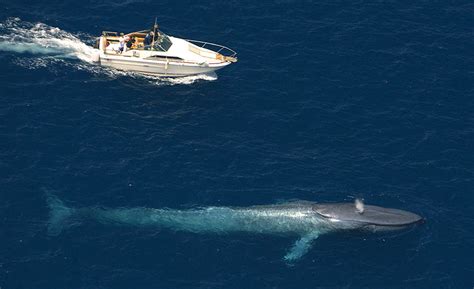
<point x="24" y="37"/>
<point x="359" y="204"/>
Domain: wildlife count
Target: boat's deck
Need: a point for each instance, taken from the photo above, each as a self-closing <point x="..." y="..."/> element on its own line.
<point x="138" y="44"/>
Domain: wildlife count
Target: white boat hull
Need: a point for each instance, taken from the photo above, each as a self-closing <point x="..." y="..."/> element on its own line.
<point x="158" y="68"/>
<point x="168" y="56"/>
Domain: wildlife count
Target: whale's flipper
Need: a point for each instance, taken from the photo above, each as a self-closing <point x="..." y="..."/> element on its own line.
<point x="301" y="247"/>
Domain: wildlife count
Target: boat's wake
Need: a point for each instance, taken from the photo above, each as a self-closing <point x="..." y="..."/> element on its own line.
<point x="42" y="40"/>
<point x="183" y="80"/>
<point x="44" y="46"/>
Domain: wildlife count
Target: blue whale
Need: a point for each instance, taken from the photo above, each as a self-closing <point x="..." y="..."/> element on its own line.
<point x="303" y="219"/>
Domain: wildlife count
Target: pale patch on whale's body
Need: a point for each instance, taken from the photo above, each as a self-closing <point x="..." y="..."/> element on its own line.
<point x="298" y="219"/>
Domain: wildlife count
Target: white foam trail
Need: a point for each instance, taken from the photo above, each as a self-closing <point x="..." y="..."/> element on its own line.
<point x="111" y="73"/>
<point x="26" y="48"/>
<point x="47" y="45"/>
<point x="41" y="39"/>
<point x="185" y="79"/>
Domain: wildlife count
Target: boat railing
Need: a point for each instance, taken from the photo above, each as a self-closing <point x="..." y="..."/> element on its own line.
<point x="110" y="33"/>
<point x="226" y="51"/>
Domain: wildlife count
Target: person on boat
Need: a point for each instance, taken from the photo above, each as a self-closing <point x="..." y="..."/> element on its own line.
<point x="148" y="40"/>
<point x="130" y="42"/>
<point x="123" y="43"/>
<point x="121" y="46"/>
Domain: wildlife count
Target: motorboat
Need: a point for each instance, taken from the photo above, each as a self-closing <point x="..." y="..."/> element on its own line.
<point x="155" y="53"/>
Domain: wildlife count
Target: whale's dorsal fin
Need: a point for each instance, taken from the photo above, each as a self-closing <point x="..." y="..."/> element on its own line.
<point x="300" y="247"/>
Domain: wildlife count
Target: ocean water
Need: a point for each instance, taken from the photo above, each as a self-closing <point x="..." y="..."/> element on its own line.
<point x="330" y="101"/>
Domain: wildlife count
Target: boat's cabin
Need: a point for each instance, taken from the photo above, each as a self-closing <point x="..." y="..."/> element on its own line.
<point x="141" y="40"/>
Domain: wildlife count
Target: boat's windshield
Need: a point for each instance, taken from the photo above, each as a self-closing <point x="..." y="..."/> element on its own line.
<point x="162" y="42"/>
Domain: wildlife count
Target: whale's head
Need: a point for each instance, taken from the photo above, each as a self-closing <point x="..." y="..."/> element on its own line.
<point x="359" y="216"/>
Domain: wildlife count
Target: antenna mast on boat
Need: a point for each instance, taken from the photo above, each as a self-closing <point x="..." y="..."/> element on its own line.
<point x="155" y="26"/>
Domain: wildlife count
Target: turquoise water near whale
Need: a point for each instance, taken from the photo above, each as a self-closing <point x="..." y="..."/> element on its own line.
<point x="330" y="101"/>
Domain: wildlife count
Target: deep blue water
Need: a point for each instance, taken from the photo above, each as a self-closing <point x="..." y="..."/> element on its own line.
<point x="329" y="101"/>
